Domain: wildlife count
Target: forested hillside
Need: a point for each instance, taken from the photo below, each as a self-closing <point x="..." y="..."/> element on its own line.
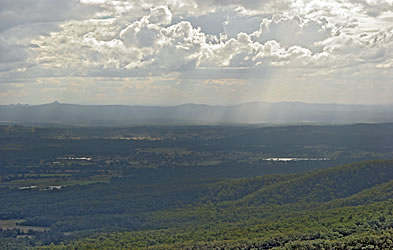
<point x="348" y="206"/>
<point x="195" y="186"/>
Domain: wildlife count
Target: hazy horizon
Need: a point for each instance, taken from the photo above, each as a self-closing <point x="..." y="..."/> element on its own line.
<point x="193" y="103"/>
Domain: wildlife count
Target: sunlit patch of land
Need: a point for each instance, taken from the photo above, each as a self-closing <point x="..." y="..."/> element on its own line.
<point x="136" y="138"/>
<point x="295" y="159"/>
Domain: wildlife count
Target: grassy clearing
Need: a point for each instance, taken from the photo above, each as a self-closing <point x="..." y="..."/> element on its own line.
<point x="13" y="224"/>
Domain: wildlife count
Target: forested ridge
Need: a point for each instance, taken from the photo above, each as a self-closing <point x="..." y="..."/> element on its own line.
<point x="347" y="206"/>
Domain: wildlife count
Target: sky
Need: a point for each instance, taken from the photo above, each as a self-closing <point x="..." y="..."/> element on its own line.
<point x="221" y="52"/>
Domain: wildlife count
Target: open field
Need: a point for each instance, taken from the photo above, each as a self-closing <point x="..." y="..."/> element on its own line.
<point x="14" y="224"/>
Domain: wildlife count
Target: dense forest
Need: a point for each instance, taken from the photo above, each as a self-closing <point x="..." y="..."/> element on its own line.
<point x="343" y="207"/>
<point x="197" y="187"/>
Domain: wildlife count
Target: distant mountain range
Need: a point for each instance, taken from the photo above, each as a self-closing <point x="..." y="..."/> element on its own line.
<point x="248" y="113"/>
